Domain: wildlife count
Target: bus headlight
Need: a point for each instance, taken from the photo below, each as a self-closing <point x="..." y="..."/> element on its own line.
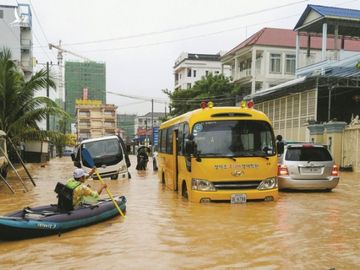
<point x="202" y="185"/>
<point x="268" y="183"/>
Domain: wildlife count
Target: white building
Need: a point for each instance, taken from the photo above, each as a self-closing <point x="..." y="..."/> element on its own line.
<point x="16" y="33"/>
<point x="143" y="124"/>
<point x="268" y="57"/>
<point x="191" y="67"/>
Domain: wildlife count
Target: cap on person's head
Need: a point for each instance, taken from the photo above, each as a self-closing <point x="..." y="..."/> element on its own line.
<point x="79" y="173"/>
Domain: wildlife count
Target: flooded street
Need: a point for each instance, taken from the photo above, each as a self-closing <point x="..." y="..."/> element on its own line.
<point x="161" y="230"/>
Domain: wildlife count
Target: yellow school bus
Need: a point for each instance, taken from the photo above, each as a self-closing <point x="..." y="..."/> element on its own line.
<point x="219" y="154"/>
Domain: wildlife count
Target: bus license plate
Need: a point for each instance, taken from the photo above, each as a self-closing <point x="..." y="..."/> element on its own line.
<point x="238" y="198"/>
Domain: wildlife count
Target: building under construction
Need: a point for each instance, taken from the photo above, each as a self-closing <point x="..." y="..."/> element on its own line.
<point x="83" y="80"/>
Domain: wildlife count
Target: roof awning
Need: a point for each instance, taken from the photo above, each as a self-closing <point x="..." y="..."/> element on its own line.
<point x="276" y="89"/>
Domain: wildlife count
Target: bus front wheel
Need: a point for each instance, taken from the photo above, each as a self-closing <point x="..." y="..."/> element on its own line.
<point x="184" y="191"/>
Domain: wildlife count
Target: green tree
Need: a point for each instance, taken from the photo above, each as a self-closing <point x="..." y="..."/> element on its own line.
<point x="19" y="109"/>
<point x="215" y="88"/>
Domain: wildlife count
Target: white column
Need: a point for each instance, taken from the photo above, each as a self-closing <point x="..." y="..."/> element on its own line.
<point x="297" y="51"/>
<point x="324" y="42"/>
<point x="253" y="70"/>
<point x="336" y="38"/>
<point x="236" y="68"/>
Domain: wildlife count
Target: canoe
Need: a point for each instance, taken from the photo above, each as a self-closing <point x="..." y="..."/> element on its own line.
<point x="48" y="220"/>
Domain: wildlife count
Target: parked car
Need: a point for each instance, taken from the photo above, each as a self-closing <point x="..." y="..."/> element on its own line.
<point x="306" y="166"/>
<point x="67" y="152"/>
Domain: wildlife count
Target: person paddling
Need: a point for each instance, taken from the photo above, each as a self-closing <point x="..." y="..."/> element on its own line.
<point x="81" y="192"/>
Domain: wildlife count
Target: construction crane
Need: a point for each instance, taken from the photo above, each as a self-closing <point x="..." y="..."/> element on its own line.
<point x="60" y="58"/>
<point x="61" y="50"/>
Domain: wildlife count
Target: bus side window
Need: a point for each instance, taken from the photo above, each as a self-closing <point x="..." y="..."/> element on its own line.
<point x="185" y="135"/>
<point x="163" y="141"/>
<point x="180" y="139"/>
<point x="169" y="142"/>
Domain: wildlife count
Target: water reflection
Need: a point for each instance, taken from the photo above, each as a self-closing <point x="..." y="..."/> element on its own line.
<point x="164" y="231"/>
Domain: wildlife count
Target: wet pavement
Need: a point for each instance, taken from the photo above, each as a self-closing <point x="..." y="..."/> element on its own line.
<point x="303" y="230"/>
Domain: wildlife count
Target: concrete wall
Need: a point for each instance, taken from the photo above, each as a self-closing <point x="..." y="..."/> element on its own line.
<point x="10" y="34"/>
<point x="343" y="141"/>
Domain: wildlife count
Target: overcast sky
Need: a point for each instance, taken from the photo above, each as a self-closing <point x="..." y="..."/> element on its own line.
<point x="141" y="47"/>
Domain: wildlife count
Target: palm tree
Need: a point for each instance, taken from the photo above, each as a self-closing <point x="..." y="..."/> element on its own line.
<point x="19" y="109"/>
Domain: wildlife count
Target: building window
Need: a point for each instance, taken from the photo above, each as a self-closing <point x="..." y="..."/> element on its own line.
<point x="188" y="85"/>
<point x="189" y="72"/>
<point x="194" y="72"/>
<point x="1" y="14"/>
<point x="290" y="64"/>
<point x="275" y="63"/>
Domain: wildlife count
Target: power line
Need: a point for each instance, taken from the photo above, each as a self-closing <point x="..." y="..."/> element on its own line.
<point x="186" y="26"/>
<point x="41" y="28"/>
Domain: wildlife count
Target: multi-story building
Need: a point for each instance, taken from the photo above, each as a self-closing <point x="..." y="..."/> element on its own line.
<point x="83" y="78"/>
<point x="268" y="57"/>
<point x="94" y="119"/>
<point x="16" y="33"/>
<point x="126" y="123"/>
<point x="322" y="105"/>
<point x="191" y="67"/>
<point x="144" y="124"/>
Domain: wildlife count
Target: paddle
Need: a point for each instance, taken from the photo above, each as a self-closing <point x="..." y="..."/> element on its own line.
<point x="87" y="157"/>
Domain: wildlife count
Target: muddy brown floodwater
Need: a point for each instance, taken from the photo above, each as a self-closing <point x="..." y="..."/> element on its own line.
<point x="163" y="231"/>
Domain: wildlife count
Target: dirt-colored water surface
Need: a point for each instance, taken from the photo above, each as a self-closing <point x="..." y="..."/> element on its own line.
<point x="303" y="230"/>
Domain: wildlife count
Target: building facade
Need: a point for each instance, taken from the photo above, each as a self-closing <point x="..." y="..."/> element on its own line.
<point x="190" y="67"/>
<point x="268" y="58"/>
<point x="16" y="33"/>
<point x="126" y="124"/>
<point x="322" y="105"/>
<point x="145" y="123"/>
<point x="94" y="119"/>
<point x="83" y="80"/>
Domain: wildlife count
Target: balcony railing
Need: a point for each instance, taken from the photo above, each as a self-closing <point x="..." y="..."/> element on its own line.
<point x="245" y="72"/>
<point x="26" y="44"/>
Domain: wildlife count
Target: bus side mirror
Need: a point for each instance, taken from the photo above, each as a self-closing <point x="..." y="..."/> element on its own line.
<point x="189" y="145"/>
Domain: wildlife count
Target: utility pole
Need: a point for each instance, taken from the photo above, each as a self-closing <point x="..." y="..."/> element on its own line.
<point x="47" y="94"/>
<point x="152" y="122"/>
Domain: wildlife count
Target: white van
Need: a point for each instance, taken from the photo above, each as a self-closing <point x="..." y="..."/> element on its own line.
<point x="108" y="156"/>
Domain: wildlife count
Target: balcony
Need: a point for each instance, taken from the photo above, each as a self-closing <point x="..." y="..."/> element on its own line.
<point x="245" y="72"/>
<point x="26" y="44"/>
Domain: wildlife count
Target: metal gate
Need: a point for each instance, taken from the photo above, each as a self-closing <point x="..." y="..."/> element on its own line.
<point x="351" y="145"/>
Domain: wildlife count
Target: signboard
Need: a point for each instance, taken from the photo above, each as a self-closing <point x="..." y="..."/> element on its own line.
<point x="85" y="93"/>
<point x="94" y="102"/>
<point x="155" y="136"/>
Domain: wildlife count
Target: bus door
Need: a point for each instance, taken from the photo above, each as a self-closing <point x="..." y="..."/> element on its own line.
<point x="171" y="172"/>
<point x="175" y="159"/>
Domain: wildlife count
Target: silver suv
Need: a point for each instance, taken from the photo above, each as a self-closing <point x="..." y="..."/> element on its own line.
<point x="307" y="166"/>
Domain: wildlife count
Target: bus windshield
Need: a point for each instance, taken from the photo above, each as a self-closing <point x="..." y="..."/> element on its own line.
<point x="234" y="138"/>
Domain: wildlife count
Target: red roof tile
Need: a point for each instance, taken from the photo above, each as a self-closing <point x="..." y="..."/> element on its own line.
<point x="276" y="37"/>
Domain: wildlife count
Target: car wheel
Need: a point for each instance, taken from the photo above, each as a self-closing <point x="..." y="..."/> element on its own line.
<point x="184" y="191"/>
<point x="114" y="176"/>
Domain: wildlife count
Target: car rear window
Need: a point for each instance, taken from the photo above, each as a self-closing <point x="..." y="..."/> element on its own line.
<point x="307" y="154"/>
